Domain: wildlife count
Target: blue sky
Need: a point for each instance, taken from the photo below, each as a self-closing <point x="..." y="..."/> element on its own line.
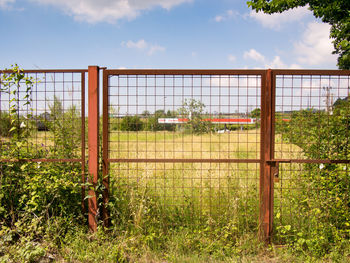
<point x="159" y="34"/>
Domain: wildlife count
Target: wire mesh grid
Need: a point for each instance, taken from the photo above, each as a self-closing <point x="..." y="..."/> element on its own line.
<point x="312" y="126"/>
<point x="191" y="141"/>
<point x="307" y="109"/>
<point x="52" y="114"/>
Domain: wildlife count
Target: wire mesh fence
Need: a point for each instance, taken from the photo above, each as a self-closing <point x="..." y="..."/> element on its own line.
<point x="194" y="146"/>
<point x="191" y="139"/>
<point x="42" y="122"/>
<point x="311" y="103"/>
<point x="52" y="111"/>
<point x="312" y="125"/>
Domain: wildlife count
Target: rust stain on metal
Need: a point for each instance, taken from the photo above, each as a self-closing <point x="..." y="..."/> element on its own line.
<point x="93" y="142"/>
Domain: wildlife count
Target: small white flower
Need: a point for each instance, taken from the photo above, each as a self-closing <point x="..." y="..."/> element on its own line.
<point x="23" y="125"/>
<point x="321" y="166"/>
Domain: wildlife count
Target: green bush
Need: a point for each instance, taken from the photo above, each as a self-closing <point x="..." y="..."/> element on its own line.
<point x="66" y="128"/>
<point x="154" y="125"/>
<point x="131" y="123"/>
<point x="114" y="124"/>
<point x="320" y="200"/>
<point x="35" y="198"/>
<point x="193" y="110"/>
<point x="5" y="124"/>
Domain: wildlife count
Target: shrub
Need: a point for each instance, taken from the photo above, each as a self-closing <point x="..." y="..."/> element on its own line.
<point x="131" y="123"/>
<point x="66" y="129"/>
<point x="5" y="124"/>
<point x="193" y="110"/>
<point x="35" y="198"/>
<point x="325" y="210"/>
<point x="154" y="125"/>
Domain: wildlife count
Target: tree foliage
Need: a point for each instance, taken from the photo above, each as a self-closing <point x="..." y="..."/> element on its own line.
<point x="131" y="123"/>
<point x="193" y="110"/>
<point x="334" y="12"/>
<point x="255" y="113"/>
<point x="154" y="125"/>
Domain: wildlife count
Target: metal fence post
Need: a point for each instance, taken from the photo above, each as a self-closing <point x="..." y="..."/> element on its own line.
<point x="266" y="155"/>
<point x="93" y="142"/>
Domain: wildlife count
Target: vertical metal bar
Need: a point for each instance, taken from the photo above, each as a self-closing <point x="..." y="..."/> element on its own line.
<point x="105" y="163"/>
<point x="83" y="181"/>
<point x="266" y="148"/>
<point x="93" y="142"/>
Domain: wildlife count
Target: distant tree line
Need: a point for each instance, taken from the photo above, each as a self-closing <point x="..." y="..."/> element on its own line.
<point x="192" y="110"/>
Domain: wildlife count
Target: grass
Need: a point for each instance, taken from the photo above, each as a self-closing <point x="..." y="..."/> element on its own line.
<point x="180" y="212"/>
<point x="222" y="197"/>
<point x="237" y="144"/>
<point x="210" y="187"/>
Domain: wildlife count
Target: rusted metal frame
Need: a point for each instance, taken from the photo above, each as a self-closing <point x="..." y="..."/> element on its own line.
<point x="93" y="143"/>
<point x="308" y="161"/>
<point x="122" y="160"/>
<point x="182" y="72"/>
<point x="320" y="72"/>
<point x="83" y="177"/>
<point x="105" y="155"/>
<point x="48" y="71"/>
<point x="266" y="155"/>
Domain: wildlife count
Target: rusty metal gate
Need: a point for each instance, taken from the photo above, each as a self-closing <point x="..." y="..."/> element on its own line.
<point x="187" y="136"/>
<point x="215" y="142"/>
<point x="310" y="155"/>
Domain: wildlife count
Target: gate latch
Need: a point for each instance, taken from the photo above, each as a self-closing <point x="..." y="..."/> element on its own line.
<point x="275" y="170"/>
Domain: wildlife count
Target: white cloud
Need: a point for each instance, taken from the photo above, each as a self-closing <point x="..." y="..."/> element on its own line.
<point x="277" y="20"/>
<point x="275" y="63"/>
<point x="253" y="54"/>
<point x="143" y="45"/>
<point x="219" y="18"/>
<point x="4" y="4"/>
<point x="93" y="11"/>
<point x="231" y="58"/>
<point x="227" y="15"/>
<point x="315" y="46"/>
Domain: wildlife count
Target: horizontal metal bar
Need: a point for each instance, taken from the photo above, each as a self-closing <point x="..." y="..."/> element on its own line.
<point x="308" y="161"/>
<point x="40" y="160"/>
<point x="47" y="71"/>
<point x="192" y="71"/>
<point x="310" y="72"/>
<point x="184" y="160"/>
<point x="183" y="72"/>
